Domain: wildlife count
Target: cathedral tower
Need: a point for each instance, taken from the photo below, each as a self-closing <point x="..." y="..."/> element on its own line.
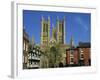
<point x="61" y="31"/>
<point x="45" y="31"/>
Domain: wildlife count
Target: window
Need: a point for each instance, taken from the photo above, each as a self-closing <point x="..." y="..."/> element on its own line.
<point x="60" y="27"/>
<point x="34" y="62"/>
<point x="72" y="59"/>
<point x="72" y="51"/>
<point x="46" y="27"/>
<point x="82" y="56"/>
<point x="43" y="27"/>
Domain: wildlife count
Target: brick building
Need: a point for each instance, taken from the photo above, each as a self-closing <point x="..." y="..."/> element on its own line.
<point x="84" y="54"/>
<point x="79" y="56"/>
<point x="72" y="57"/>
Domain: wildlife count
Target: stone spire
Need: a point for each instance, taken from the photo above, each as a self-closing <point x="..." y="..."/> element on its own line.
<point x="32" y="41"/>
<point x="71" y="42"/>
<point x="49" y="18"/>
<point x="42" y="17"/>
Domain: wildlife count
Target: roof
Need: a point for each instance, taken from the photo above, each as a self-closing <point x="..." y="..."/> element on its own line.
<point x="81" y="45"/>
<point x="71" y="49"/>
<point x="84" y="45"/>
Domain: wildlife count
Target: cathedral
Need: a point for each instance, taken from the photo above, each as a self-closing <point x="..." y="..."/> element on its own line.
<point x="58" y="31"/>
<point x="55" y="36"/>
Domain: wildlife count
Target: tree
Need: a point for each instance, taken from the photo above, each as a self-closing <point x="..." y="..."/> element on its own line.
<point x="45" y="57"/>
<point x="52" y="55"/>
<point x="56" y="54"/>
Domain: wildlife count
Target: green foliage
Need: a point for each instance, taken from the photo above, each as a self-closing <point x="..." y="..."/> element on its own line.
<point x="53" y="55"/>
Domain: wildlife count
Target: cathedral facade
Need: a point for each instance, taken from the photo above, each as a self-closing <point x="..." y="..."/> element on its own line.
<point x="58" y="31"/>
<point x="52" y="38"/>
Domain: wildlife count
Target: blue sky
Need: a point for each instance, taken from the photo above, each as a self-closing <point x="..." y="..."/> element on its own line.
<point x="78" y="25"/>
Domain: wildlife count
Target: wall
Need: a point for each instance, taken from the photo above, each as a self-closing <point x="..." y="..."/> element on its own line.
<point x="5" y="44"/>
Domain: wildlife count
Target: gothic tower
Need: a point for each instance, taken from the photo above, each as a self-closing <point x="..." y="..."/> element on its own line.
<point x="54" y="33"/>
<point x="45" y="31"/>
<point x="61" y="31"/>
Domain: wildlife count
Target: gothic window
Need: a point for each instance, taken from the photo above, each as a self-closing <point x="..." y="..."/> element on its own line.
<point x="43" y="27"/>
<point x="60" y="27"/>
<point x="60" y="39"/>
<point x="46" y="27"/>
